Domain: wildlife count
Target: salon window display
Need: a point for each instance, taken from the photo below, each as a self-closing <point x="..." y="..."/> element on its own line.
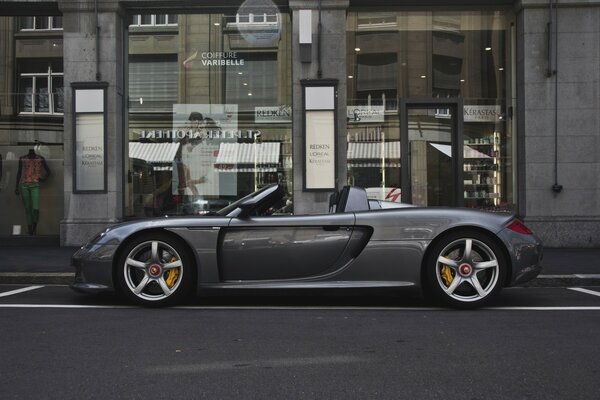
<point x="32" y="171"/>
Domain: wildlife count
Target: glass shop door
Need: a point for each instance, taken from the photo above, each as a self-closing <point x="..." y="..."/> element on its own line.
<point x="430" y="130"/>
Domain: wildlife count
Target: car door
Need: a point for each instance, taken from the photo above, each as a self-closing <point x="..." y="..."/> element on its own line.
<point x="283" y="247"/>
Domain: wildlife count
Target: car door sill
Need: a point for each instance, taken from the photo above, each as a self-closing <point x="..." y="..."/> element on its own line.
<point x="308" y="285"/>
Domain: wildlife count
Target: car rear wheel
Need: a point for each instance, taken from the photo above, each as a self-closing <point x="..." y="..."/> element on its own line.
<point x="155" y="270"/>
<point x="466" y="269"/>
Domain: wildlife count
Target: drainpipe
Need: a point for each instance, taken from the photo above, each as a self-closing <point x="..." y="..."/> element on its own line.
<point x="319" y="71"/>
<point x="552" y="71"/>
<point x="97" y="41"/>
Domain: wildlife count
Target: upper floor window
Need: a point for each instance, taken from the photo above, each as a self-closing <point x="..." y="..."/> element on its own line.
<point x="41" y="93"/>
<point x="40" y="23"/>
<point x="154" y="20"/>
<point x="253" y="18"/>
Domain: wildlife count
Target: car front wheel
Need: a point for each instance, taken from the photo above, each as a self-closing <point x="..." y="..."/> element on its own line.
<point x="155" y="270"/>
<point x="465" y="270"/>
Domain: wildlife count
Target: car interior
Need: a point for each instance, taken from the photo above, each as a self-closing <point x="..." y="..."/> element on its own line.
<point x="351" y="199"/>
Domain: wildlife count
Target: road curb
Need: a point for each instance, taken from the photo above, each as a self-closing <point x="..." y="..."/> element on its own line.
<point x="66" y="278"/>
<point x="564" y="280"/>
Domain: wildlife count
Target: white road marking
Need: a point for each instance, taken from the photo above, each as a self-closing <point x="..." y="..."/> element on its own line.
<point x="17" y="291"/>
<point x="300" y="308"/>
<point x="586" y="291"/>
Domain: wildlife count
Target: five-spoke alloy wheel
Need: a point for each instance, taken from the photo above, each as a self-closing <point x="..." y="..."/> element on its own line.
<point x="465" y="269"/>
<point x="155" y="270"/>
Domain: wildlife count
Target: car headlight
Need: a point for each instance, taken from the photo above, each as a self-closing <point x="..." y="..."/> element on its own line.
<point x="97" y="238"/>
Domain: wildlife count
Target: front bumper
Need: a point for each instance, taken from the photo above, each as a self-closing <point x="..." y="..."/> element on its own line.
<point x="94" y="268"/>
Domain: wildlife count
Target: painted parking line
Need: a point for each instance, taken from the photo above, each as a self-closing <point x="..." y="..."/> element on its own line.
<point x="17" y="291"/>
<point x="300" y="308"/>
<point x="586" y="291"/>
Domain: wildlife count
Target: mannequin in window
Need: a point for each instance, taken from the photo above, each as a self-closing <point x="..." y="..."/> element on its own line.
<point x="29" y="177"/>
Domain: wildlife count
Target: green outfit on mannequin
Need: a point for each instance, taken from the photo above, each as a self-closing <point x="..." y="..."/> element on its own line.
<point x="29" y="177"/>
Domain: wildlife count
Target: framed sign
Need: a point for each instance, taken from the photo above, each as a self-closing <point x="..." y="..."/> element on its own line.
<point x="319" y="135"/>
<point x="89" y="137"/>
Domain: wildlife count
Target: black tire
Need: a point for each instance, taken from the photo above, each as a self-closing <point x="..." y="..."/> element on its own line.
<point x="465" y="269"/>
<point x="155" y="270"/>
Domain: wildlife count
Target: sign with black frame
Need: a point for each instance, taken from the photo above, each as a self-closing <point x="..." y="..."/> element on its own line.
<point x="319" y="135"/>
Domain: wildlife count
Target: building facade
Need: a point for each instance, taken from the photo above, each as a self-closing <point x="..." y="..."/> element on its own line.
<point x="113" y="110"/>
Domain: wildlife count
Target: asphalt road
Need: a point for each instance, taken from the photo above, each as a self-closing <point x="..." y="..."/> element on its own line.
<point x="533" y="343"/>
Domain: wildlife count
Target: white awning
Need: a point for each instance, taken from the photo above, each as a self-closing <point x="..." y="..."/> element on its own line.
<point x="160" y="155"/>
<point x="373" y="150"/>
<point x="248" y="157"/>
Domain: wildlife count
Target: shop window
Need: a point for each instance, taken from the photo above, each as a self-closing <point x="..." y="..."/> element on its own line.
<point x="41" y="93"/>
<point x="40" y="23"/>
<point x="209" y="114"/>
<point x="433" y="55"/>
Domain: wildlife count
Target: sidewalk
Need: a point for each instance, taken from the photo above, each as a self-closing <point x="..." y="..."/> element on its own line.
<point x="51" y="265"/>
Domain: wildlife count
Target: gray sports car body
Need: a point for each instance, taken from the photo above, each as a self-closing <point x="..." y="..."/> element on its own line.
<point x="461" y="257"/>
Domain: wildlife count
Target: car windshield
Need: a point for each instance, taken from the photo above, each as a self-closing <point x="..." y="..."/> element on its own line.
<point x="236" y="204"/>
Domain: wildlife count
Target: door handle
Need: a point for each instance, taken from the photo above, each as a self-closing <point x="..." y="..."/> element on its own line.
<point x="331" y="228"/>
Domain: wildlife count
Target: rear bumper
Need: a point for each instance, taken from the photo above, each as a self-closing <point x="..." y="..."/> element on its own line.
<point x="526" y="256"/>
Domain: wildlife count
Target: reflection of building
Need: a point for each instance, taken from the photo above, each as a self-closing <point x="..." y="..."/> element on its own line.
<point x="206" y="103"/>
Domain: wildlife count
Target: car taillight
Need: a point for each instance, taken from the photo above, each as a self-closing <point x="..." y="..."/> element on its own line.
<point x="519" y="227"/>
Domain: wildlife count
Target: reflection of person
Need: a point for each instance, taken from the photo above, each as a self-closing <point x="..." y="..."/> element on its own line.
<point x="29" y="176"/>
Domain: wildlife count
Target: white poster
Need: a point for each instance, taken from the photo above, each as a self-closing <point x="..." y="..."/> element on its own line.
<point x="320" y="150"/>
<point x="89" y="152"/>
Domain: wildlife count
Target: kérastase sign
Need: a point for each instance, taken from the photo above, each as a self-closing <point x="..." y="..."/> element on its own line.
<point x="482" y="113"/>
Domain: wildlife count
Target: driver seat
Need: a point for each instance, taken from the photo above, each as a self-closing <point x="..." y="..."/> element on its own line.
<point x="349" y="199"/>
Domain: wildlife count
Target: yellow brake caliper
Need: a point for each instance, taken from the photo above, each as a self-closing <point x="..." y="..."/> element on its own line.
<point x="172" y="275"/>
<point x="447" y="276"/>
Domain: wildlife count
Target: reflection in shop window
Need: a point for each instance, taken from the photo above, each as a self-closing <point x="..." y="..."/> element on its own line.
<point x="41" y="93"/>
<point x="378" y="21"/>
<point x="44" y="23"/>
<point x="154" y="20"/>
<point x="252" y="83"/>
<point x="251" y="18"/>
<point x="152" y="83"/>
<point x="376" y="80"/>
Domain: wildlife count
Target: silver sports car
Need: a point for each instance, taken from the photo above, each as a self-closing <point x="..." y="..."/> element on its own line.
<point x="460" y="257"/>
